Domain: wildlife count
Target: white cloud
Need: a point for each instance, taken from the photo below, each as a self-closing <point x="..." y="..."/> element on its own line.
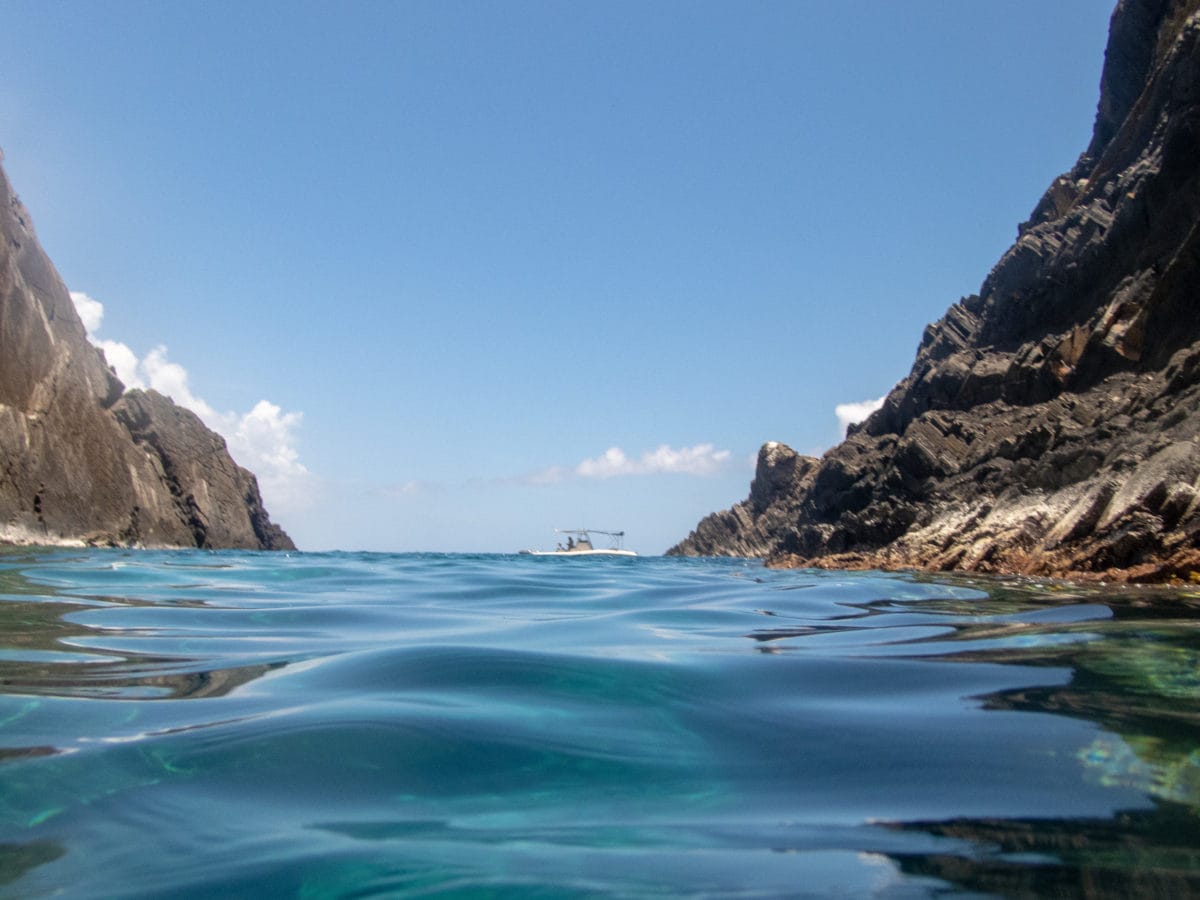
<point x="90" y="310"/>
<point x="263" y="439"/>
<point x="171" y="379"/>
<point x="701" y="459"/>
<point x="612" y="462"/>
<point x="851" y="413"/>
<point x="123" y="361"/>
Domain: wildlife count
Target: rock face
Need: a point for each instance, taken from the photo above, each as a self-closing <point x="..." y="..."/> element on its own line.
<point x="1050" y="424"/>
<point x="81" y="460"/>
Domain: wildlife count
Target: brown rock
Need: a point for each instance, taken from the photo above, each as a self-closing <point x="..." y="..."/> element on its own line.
<point x="79" y="462"/>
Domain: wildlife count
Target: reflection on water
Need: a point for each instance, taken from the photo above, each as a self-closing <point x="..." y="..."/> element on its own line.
<point x="1135" y="671"/>
<point x="1142" y="853"/>
<point x="49" y="647"/>
<point x="18" y="859"/>
<point x="357" y="724"/>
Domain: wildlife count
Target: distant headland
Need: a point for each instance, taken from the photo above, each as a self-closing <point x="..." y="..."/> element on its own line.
<point x="1050" y="423"/>
<point x="83" y="460"/>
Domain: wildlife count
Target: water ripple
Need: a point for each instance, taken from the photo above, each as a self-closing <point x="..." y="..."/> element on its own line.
<point x="348" y="724"/>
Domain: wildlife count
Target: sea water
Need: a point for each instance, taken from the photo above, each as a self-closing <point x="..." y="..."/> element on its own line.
<point x="193" y="724"/>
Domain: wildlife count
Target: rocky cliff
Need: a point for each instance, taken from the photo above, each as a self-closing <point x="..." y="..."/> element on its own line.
<point x="1050" y="423"/>
<point x="81" y="459"/>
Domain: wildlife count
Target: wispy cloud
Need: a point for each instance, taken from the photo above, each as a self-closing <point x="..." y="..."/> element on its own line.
<point x="702" y="459"/>
<point x="851" y="413"/>
<point x="552" y="475"/>
<point x="413" y="488"/>
<point x="263" y="439"/>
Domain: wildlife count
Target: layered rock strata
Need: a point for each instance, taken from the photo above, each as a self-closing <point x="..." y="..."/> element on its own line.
<point x="81" y="459"/>
<point x="1051" y="423"/>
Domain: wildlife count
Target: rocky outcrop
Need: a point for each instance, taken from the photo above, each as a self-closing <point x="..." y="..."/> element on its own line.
<point x="81" y="460"/>
<point x="749" y="529"/>
<point x="1050" y="423"/>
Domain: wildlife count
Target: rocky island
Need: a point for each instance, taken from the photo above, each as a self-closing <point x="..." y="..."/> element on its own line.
<point x="1049" y="424"/>
<point x="85" y="461"/>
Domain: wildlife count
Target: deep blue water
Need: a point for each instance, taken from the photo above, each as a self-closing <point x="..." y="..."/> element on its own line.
<point x="353" y="725"/>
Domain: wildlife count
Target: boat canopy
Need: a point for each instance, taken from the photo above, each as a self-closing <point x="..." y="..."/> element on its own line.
<point x="579" y="543"/>
<point x="584" y="535"/>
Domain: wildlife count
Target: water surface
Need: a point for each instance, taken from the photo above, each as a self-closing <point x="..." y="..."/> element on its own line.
<point x="353" y="725"/>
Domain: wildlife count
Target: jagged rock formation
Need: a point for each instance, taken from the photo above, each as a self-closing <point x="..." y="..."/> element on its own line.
<point x="1050" y="424"/>
<point x="81" y="460"/>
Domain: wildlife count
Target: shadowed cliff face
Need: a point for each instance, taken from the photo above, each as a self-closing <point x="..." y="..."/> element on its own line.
<point x="81" y="460"/>
<point x="1049" y="424"/>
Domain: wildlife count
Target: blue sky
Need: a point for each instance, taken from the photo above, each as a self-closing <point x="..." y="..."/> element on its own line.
<point x="449" y="275"/>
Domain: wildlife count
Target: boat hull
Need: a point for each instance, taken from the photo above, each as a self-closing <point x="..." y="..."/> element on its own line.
<point x="578" y="553"/>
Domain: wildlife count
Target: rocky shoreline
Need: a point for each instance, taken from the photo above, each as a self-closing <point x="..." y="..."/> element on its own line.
<point x="1049" y="425"/>
<point x="82" y="460"/>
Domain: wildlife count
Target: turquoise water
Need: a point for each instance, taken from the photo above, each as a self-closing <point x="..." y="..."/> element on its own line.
<point x="356" y="725"/>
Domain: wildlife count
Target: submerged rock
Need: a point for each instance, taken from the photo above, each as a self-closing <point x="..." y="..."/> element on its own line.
<point x="81" y="460"/>
<point x="1049" y="424"/>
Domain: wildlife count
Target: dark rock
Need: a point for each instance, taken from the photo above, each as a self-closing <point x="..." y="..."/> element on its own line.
<point x="1050" y="423"/>
<point x="81" y="461"/>
<point x="221" y="499"/>
<point x="746" y="530"/>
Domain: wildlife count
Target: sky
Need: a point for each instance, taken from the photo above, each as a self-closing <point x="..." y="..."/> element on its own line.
<point x="450" y="275"/>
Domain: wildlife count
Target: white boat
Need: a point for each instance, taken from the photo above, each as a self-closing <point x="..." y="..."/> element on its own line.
<point x="579" y="543"/>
